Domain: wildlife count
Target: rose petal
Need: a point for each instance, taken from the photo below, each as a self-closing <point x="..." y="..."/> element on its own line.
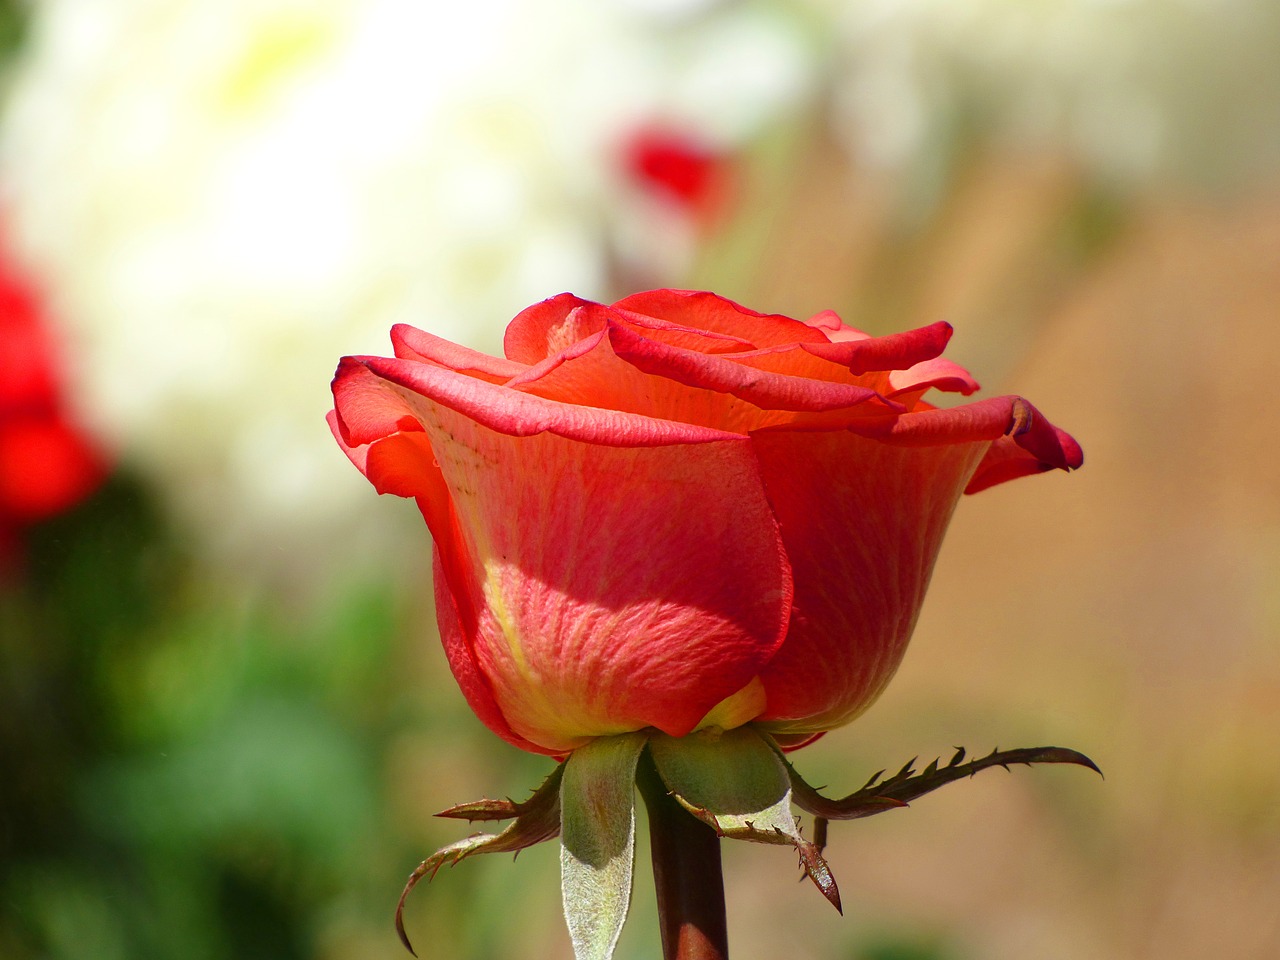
<point x="676" y="335"/>
<point x="764" y="389"/>
<point x="994" y="418"/>
<point x="367" y="408"/>
<point x="580" y="633"/>
<point x="546" y="370"/>
<point x="546" y="328"/>
<point x="462" y="664"/>
<point x="591" y="374"/>
<point x="1031" y="449"/>
<point x="410" y="343"/>
<point x="862" y="522"/>
<point x="937" y="374"/>
<point x="919" y="375"/>
<point x="507" y="411"/>
<point x="707" y="311"/>
<point x="793" y="360"/>
<point x="830" y="323"/>
<point x="580" y="629"/>
<point x="404" y="464"/>
<point x="897" y="351"/>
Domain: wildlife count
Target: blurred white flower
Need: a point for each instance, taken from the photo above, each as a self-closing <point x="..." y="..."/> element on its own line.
<point x="1136" y="90"/>
<point x="225" y="196"/>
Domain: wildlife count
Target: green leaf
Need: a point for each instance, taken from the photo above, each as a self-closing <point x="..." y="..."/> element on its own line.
<point x="736" y="782"/>
<point x="598" y="841"/>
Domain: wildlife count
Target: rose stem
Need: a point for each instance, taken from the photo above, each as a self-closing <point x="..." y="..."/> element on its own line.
<point x="686" y="873"/>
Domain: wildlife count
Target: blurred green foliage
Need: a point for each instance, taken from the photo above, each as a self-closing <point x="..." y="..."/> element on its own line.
<point x="196" y="770"/>
<point x="901" y="947"/>
<point x="188" y="776"/>
<point x="13" y="25"/>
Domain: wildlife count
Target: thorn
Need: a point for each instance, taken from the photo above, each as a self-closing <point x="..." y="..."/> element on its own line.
<point x="816" y="867"/>
<point x="958" y="758"/>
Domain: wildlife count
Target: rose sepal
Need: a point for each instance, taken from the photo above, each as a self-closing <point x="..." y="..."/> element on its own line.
<point x="536" y="820"/>
<point x="598" y="841"/>
<point x="736" y="782"/>
<point x="879" y="795"/>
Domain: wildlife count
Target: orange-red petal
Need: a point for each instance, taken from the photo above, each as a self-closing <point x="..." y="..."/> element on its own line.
<point x="862" y="522"/>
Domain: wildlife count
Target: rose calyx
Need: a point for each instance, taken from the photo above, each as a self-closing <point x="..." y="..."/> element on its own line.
<point x="737" y="782"/>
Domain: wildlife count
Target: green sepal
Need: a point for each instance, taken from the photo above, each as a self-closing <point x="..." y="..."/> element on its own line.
<point x="536" y="820"/>
<point x="878" y="795"/>
<point x="737" y="783"/>
<point x="598" y="841"/>
<point x="906" y="785"/>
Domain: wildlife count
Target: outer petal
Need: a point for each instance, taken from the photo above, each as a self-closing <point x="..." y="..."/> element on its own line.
<point x="607" y="572"/>
<point x="862" y="522"/>
<point x="366" y="408"/>
<point x="1035" y="448"/>
<point x="404" y="464"/>
<point x="614" y="588"/>
<point x="372" y="408"/>
<point x="1011" y="418"/>
<point x="462" y="662"/>
<point x="410" y="343"/>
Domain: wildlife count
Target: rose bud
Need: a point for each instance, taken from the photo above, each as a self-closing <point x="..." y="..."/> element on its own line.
<point x="673" y="512"/>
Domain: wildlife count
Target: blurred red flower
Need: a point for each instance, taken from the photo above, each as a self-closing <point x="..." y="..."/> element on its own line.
<point x="47" y="463"/>
<point x="681" y="170"/>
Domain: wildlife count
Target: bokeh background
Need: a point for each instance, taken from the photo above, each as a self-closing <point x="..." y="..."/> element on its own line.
<point x="224" y="718"/>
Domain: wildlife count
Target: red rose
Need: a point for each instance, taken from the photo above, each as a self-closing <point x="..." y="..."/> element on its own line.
<point x="675" y="512"/>
<point x="47" y="463"/>
<point x="675" y="166"/>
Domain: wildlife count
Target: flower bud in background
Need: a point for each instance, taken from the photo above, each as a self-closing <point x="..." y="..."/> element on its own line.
<point x="675" y="512"/>
<point x="681" y="170"/>
<point x="47" y="462"/>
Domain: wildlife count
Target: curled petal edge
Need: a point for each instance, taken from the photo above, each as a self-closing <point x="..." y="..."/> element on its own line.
<point x="764" y="389"/>
<point x="405" y="383"/>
